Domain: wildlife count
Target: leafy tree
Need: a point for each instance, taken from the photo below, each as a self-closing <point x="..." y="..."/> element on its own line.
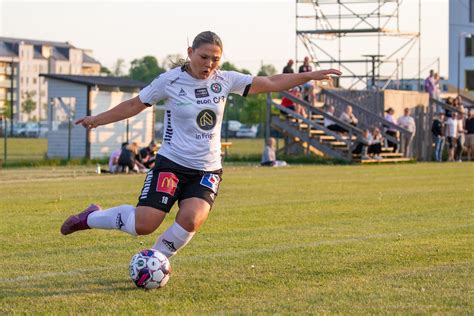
<point x="267" y="70"/>
<point x="228" y="66"/>
<point x="7" y="109"/>
<point x="118" y="68"/>
<point x="145" y="69"/>
<point x="105" y="70"/>
<point x="29" y="105"/>
<point x="231" y="67"/>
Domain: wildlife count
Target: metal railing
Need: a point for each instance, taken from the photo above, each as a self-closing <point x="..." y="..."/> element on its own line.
<point x="313" y="125"/>
<point x="446" y="107"/>
<point x="367" y="119"/>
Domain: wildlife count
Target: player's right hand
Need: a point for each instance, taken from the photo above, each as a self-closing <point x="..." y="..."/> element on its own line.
<point x="88" y="122"/>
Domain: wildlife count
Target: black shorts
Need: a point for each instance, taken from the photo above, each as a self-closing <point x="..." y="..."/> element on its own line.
<point x="169" y="182"/>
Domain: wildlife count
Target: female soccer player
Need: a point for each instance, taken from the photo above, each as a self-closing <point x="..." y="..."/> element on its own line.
<point x="188" y="165"/>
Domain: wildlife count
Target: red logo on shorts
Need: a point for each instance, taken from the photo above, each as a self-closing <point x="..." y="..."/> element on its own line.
<point x="167" y="183"/>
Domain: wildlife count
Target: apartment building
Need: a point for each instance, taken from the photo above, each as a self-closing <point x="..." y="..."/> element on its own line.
<point x="461" y="44"/>
<point x="21" y="62"/>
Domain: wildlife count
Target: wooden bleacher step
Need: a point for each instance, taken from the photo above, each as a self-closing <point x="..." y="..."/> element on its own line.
<point x="385" y="160"/>
<point x="316" y="132"/>
<point x="327" y="138"/>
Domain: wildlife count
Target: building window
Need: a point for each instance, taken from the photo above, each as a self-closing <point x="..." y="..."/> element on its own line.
<point x="34" y="81"/>
<point x="471" y="11"/>
<point x="469" y="46"/>
<point x="470" y="80"/>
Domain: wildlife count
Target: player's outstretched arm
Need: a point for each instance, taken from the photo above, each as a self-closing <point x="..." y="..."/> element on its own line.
<point x="120" y="112"/>
<point x="287" y="81"/>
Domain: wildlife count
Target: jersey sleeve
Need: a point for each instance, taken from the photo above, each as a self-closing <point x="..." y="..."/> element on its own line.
<point x="154" y="92"/>
<point x="240" y="83"/>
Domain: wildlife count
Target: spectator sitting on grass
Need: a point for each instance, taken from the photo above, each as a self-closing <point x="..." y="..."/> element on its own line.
<point x="114" y="158"/>
<point x="269" y="155"/>
<point x="147" y="155"/>
<point x="128" y="161"/>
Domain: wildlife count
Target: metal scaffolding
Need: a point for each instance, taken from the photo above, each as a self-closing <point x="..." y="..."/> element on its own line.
<point x="338" y="22"/>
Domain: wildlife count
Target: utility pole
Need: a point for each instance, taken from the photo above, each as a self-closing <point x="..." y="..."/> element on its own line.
<point x="12" y="87"/>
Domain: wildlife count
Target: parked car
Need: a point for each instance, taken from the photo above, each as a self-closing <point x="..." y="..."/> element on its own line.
<point x="247" y="131"/>
<point x="233" y="127"/>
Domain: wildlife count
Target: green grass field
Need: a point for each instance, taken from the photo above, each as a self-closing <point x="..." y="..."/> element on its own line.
<point x="24" y="149"/>
<point x="394" y="239"/>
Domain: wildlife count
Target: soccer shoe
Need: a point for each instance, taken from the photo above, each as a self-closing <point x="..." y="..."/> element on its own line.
<point x="79" y="221"/>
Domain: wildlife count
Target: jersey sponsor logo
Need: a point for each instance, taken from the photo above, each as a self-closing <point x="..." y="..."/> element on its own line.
<point x="218" y="99"/>
<point x="167" y="183"/>
<point x="182" y="93"/>
<point x="211" y="181"/>
<point x="205" y="101"/>
<point x="216" y="87"/>
<point x="206" y="136"/>
<point x="201" y="93"/>
<point x="206" y="119"/>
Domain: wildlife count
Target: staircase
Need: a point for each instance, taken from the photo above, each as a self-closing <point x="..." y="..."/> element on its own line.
<point x="314" y="138"/>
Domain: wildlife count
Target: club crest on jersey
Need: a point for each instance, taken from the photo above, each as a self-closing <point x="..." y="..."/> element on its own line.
<point x="206" y="119"/>
<point x="182" y="93"/>
<point x="201" y="93"/>
<point x="211" y="181"/>
<point x="167" y="183"/>
<point x="216" y="87"/>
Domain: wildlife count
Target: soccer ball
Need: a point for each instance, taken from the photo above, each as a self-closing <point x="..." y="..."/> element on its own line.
<point x="149" y="269"/>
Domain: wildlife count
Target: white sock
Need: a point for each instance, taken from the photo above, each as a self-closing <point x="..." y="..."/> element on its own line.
<point x="121" y="217"/>
<point x="173" y="239"/>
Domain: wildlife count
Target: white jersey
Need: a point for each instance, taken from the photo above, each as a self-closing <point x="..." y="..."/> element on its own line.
<point x="194" y="109"/>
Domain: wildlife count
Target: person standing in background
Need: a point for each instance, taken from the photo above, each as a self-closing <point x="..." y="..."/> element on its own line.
<point x="407" y="122"/>
<point x="430" y="83"/>
<point x="288" y="69"/>
<point x="437" y="130"/>
<point x="470" y="134"/>
<point x="391" y="131"/>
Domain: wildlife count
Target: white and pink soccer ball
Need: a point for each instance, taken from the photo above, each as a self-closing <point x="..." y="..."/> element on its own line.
<point x="150" y="269"/>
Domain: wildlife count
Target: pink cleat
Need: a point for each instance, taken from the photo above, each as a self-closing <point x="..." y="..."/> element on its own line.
<point x="79" y="221"/>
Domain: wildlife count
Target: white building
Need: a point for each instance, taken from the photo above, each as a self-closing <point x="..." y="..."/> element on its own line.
<point x="28" y="59"/>
<point x="72" y="97"/>
<point x="461" y="44"/>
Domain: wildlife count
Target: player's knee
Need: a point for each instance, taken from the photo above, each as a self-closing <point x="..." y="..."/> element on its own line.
<point x="190" y="224"/>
